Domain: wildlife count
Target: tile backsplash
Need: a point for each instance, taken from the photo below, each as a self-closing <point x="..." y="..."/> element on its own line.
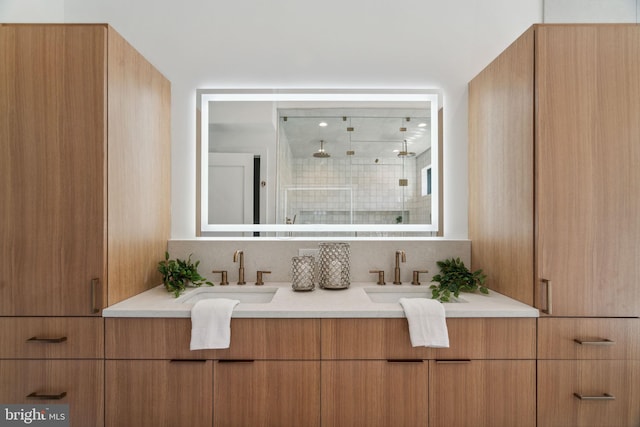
<point x="275" y="256"/>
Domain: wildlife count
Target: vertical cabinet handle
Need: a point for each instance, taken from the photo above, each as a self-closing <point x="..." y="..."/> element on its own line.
<point x="58" y="396"/>
<point x="94" y="283"/>
<point x="547" y="282"/>
<point x="604" y="396"/>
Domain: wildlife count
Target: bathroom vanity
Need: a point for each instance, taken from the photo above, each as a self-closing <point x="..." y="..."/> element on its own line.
<point x="321" y="358"/>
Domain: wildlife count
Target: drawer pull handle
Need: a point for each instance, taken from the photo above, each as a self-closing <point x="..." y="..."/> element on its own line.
<point x="598" y="342"/>
<point x="547" y="282"/>
<point x="94" y="283"/>
<point x="187" y="360"/>
<point x="404" y="360"/>
<point x="453" y="361"/>
<point x="605" y="396"/>
<point x="35" y="395"/>
<point x="47" y="340"/>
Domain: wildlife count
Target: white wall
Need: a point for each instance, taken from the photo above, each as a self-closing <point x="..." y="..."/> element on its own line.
<point x="306" y="44"/>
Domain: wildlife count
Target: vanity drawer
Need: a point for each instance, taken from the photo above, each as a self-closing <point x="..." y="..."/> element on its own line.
<point x="369" y="339"/>
<point x="160" y="338"/>
<point x="596" y="393"/>
<point x="490" y="338"/>
<point x="51" y="338"/>
<point x="78" y="383"/>
<point x="588" y="338"/>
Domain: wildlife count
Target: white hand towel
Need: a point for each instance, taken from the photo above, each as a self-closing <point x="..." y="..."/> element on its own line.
<point x="211" y="323"/>
<point x="427" y="322"/>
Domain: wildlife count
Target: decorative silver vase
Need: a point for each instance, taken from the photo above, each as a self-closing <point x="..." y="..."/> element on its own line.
<point x="334" y="265"/>
<point x="302" y="273"/>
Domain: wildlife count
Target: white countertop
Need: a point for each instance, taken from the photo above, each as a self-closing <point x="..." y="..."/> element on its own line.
<point x="344" y="303"/>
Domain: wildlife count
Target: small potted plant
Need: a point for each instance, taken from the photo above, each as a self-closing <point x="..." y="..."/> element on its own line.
<point x="454" y="278"/>
<point x="177" y="274"/>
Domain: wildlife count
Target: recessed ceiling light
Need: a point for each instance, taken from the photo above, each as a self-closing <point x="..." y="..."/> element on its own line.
<point x="422" y="125"/>
<point x="323" y="124"/>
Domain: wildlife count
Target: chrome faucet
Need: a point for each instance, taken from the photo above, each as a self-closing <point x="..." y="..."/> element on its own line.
<point x="400" y="255"/>
<point x="239" y="256"/>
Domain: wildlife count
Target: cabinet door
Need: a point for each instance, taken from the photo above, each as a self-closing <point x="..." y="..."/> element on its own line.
<point x="78" y="383"/>
<point x="266" y="394"/>
<point x="587" y="157"/>
<point x="476" y="393"/>
<point x="158" y="393"/>
<point x="52" y="135"/>
<point x="589" y="393"/>
<point x="374" y="393"/>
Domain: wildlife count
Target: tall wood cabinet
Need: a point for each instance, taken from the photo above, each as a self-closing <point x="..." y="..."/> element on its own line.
<point x="554" y="202"/>
<point x="84" y="211"/>
<point x="84" y="170"/>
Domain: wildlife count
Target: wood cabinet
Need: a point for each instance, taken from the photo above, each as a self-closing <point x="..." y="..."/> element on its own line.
<point x="158" y="393"/>
<point x="553" y="149"/>
<point x="471" y="393"/>
<point x="78" y="383"/>
<point x="85" y="137"/>
<point x="375" y="393"/>
<point x="266" y="393"/>
<point x="84" y="168"/>
<point x="594" y="393"/>
<point x="457" y="386"/>
<point x="270" y="375"/>
<point x="553" y="208"/>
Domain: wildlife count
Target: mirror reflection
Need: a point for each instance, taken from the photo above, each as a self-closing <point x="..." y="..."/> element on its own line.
<point x="300" y="163"/>
<point x="354" y="166"/>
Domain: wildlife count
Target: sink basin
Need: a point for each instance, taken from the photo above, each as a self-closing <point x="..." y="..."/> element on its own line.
<point x="391" y="295"/>
<point x="250" y="296"/>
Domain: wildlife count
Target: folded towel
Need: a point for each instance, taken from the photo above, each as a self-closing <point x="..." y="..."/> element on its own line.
<point x="211" y="323"/>
<point x="427" y="322"/>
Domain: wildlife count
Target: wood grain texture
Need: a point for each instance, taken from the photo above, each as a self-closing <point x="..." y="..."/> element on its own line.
<point x="369" y="339"/>
<point x="266" y="394"/>
<point x="501" y="108"/>
<point x="158" y="393"/>
<point x="556" y="338"/>
<point x="489" y="338"/>
<point x="84" y="338"/>
<point x="52" y="167"/>
<point x="587" y="152"/>
<point x="558" y="380"/>
<point x="160" y="338"/>
<point x="139" y="178"/>
<point x="490" y="393"/>
<point x="82" y="380"/>
<point x="374" y="393"/>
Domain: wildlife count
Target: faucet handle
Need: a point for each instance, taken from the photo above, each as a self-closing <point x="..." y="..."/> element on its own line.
<point x="223" y="279"/>
<point x="380" y="276"/>
<point x="416" y="276"/>
<point x="259" y="274"/>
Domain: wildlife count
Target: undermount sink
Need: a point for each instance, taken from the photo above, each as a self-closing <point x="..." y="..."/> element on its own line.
<point x="391" y="295"/>
<point x="253" y="295"/>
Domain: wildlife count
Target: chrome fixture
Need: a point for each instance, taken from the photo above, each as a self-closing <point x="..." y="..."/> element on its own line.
<point x="238" y="256"/>
<point x="400" y="256"/>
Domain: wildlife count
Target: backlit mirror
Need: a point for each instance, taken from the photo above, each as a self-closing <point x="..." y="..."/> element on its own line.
<point x="318" y="163"/>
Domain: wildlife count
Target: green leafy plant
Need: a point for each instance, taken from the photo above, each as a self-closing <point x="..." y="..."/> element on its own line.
<point x="454" y="278"/>
<point x="177" y="273"/>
